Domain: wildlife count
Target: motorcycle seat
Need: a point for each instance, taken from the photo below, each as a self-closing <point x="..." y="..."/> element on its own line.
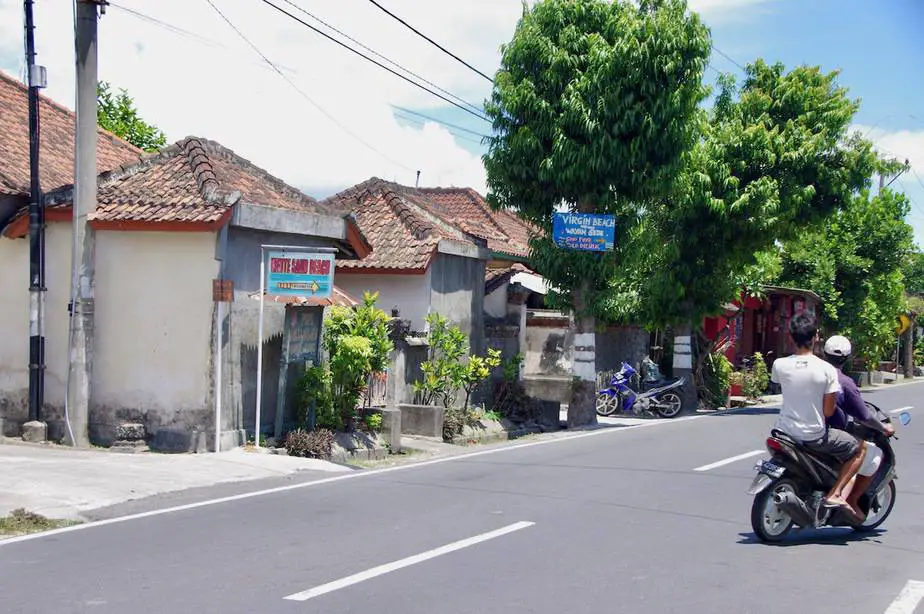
<point x="824" y="458"/>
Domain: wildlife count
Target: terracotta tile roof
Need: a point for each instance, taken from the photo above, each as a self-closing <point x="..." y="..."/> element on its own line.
<point x="192" y="181"/>
<point x="57" y="142"/>
<point x="400" y="223"/>
<point x="504" y="232"/>
<point x="495" y="278"/>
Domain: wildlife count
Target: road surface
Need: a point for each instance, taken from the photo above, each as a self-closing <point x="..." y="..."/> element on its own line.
<point x="650" y="519"/>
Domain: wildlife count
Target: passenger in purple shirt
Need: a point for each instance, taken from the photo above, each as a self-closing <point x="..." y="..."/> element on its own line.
<point x="850" y="409"/>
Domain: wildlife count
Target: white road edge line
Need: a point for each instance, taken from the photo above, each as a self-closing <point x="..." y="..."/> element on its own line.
<point x="381" y="570"/>
<point x="346" y="476"/>
<point x="728" y="461"/>
<point x="908" y="599"/>
<point x="900" y="410"/>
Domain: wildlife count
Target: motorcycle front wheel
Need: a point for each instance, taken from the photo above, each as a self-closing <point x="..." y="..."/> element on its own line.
<point x="607" y="405"/>
<point x="885" y="502"/>
<point x="770" y="523"/>
<point x="669" y="405"/>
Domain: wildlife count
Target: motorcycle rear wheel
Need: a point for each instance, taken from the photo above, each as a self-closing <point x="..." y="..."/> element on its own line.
<point x="669" y="405"/>
<point x="770" y="523"/>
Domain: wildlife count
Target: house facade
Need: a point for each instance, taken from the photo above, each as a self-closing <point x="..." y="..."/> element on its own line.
<point x="420" y="261"/>
<point x="168" y="351"/>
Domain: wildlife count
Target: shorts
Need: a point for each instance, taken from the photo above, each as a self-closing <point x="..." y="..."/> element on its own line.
<point x="872" y="461"/>
<point x="836" y="443"/>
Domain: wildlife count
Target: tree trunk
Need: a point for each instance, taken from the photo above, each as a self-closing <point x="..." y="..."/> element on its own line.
<point x="582" y="409"/>
<point x="908" y="359"/>
<point x="684" y="364"/>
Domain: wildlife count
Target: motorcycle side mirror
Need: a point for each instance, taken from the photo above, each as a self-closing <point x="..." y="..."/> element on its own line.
<point x="904" y="418"/>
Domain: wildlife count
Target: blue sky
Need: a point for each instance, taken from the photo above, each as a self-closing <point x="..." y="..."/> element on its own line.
<point x="877" y="46"/>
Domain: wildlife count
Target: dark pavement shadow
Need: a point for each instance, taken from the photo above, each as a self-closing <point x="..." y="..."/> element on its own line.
<point x="749" y="411"/>
<point x="824" y="537"/>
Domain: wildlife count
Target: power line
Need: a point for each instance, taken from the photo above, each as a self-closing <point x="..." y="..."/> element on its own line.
<point x="379" y="55"/>
<point x="300" y="91"/>
<point x="439" y="121"/>
<point x="914" y="204"/>
<point x="420" y="122"/>
<point x="430" y="40"/>
<point x="376" y="62"/>
<point x="729" y="58"/>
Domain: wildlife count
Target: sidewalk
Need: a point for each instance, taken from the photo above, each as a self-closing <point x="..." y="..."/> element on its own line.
<point x="61" y="483"/>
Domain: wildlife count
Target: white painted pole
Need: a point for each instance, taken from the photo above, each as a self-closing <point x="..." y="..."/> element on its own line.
<point x="219" y="342"/>
<point x="260" y="350"/>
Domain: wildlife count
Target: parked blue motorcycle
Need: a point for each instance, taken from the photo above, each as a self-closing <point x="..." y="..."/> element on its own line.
<point x="662" y="399"/>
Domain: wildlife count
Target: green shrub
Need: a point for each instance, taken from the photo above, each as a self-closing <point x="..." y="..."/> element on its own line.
<point x="310" y="444"/>
<point x="718" y="374"/>
<point x="314" y="390"/>
<point x="757" y="378"/>
<point x="373" y="422"/>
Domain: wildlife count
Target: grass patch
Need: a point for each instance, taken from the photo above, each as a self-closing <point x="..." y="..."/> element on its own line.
<point x="21" y="522"/>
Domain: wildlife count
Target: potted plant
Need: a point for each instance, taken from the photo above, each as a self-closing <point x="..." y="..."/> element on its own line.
<point x="736" y="384"/>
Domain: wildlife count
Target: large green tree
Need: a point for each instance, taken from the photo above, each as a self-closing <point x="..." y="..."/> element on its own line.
<point x="855" y="261"/>
<point x="774" y="156"/>
<point x="593" y="109"/>
<point x="116" y="112"/>
<point x="914" y="273"/>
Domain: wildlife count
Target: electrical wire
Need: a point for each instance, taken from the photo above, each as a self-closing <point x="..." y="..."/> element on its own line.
<point x="419" y="122"/>
<point x="729" y="58"/>
<point x="430" y="40"/>
<point x="304" y="95"/>
<point x="439" y="121"/>
<point x="376" y="62"/>
<point x="379" y="55"/>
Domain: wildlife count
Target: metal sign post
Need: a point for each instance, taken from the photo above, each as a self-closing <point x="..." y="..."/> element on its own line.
<point x="313" y="277"/>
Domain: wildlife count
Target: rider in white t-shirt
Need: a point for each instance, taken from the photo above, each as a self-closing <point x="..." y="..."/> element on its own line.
<point x="810" y="386"/>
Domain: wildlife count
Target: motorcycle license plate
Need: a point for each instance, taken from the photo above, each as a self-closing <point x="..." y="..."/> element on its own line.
<point x="770" y="468"/>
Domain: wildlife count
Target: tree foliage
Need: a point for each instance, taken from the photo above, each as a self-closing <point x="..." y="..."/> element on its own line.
<point x="854" y="261"/>
<point x="116" y="113"/>
<point x="593" y="107"/>
<point x="774" y="156"/>
<point x="914" y="273"/>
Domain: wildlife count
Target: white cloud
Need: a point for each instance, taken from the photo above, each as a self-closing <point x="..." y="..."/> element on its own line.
<point x="222" y="91"/>
<point x="904" y="145"/>
<point x="206" y="81"/>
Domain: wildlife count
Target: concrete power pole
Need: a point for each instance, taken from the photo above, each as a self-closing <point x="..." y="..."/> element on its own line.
<point x="36" y="80"/>
<point x="85" y="177"/>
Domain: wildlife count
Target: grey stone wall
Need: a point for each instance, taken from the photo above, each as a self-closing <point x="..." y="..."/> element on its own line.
<point x="621" y="343"/>
<point x="458" y="293"/>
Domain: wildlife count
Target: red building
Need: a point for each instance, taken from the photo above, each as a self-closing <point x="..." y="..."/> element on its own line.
<point x="761" y="325"/>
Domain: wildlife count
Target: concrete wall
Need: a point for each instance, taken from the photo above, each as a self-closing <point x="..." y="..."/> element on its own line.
<point x="154" y="323"/>
<point x="239" y="356"/>
<point x="549" y="351"/>
<point x="410" y="293"/>
<point x="14" y="329"/>
<point x="458" y="293"/>
<point x="495" y="303"/>
<point x="621" y="343"/>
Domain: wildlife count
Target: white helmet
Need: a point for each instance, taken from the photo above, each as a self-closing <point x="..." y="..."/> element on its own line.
<point x="838" y="346"/>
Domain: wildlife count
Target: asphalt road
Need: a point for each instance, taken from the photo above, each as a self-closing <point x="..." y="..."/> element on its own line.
<point x="611" y="521"/>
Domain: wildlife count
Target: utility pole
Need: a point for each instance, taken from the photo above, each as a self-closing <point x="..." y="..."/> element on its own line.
<point x="36" y="80"/>
<point x="85" y="177"/>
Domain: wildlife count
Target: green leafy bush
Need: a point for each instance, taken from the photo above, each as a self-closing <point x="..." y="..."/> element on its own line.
<point x="757" y="378"/>
<point x="314" y="390"/>
<point x="373" y="422"/>
<point x="310" y="444"/>
<point x="718" y="375"/>
<point x="357" y="344"/>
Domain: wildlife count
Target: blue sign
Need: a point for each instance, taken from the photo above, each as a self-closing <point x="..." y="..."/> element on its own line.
<point x="300" y="274"/>
<point x="584" y="231"/>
